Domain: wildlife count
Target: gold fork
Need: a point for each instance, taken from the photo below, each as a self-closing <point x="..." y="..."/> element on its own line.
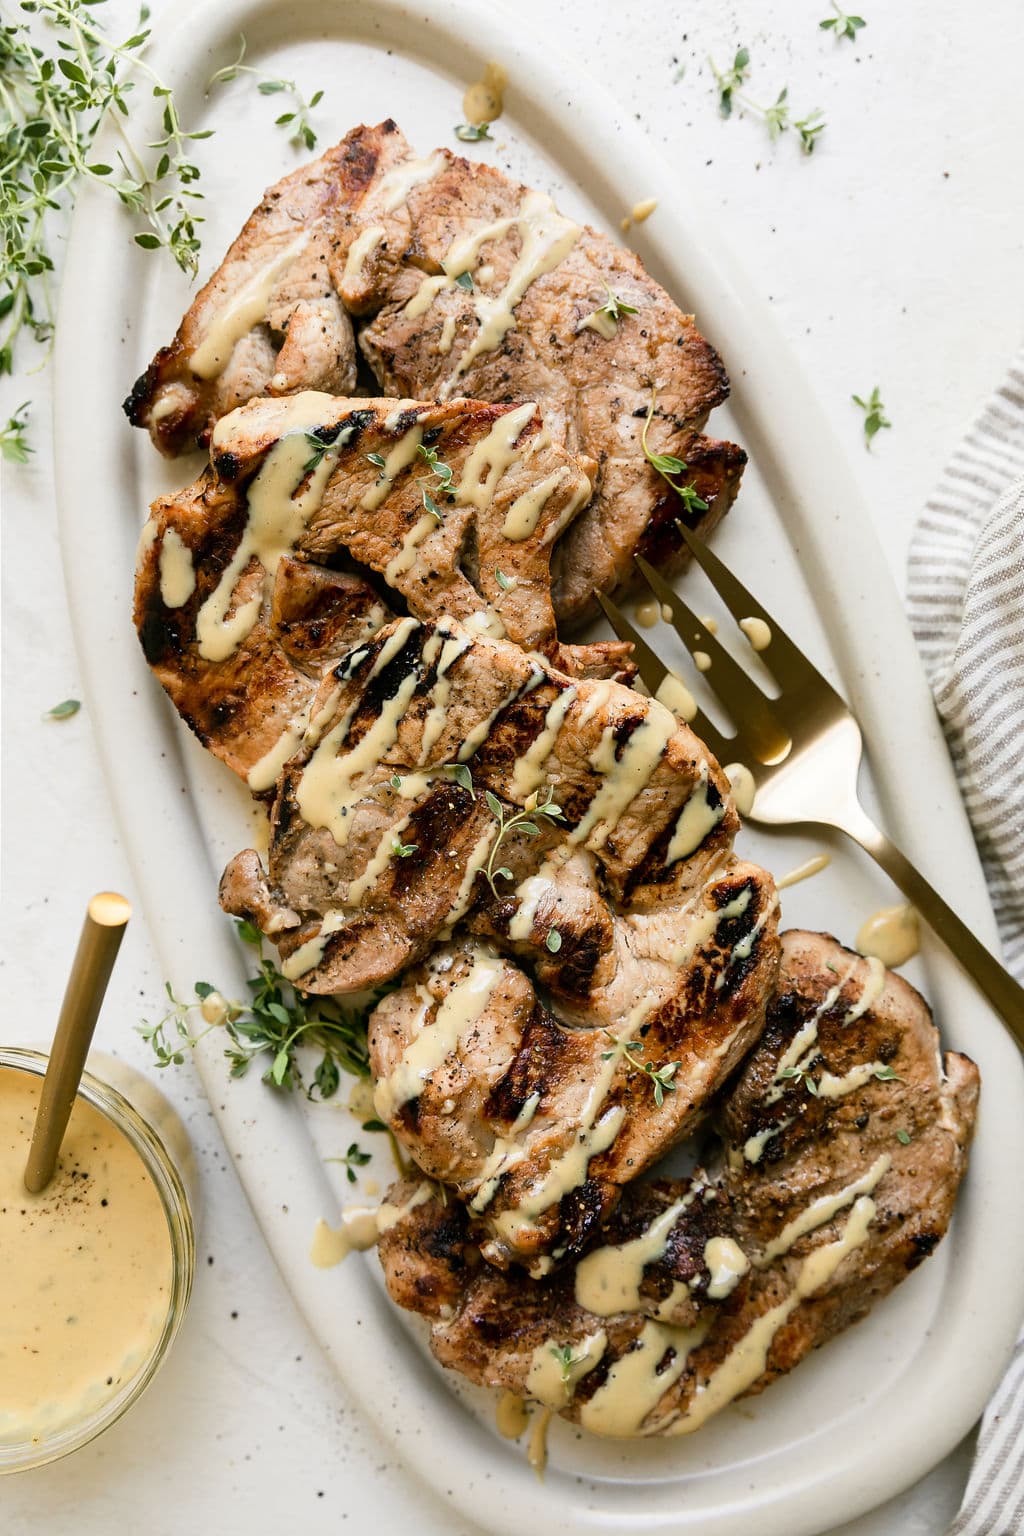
<point x="803" y="751"/>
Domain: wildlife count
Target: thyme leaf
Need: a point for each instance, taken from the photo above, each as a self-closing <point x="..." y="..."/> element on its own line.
<point x="354" y="1158"/>
<point x="14" y="444"/>
<point x="64" y="710"/>
<point x="668" y="465"/>
<point x="472" y="133"/>
<point x="842" y="25"/>
<point x="874" y="414"/>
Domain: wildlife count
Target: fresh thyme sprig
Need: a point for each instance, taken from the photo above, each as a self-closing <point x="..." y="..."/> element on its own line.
<point x="354" y="1158"/>
<point x="297" y="120"/>
<point x="777" y="117"/>
<point x="14" y="444"/>
<point x="874" y="414"/>
<point x="614" y="307"/>
<point x="444" y="476"/>
<point x="841" y="24"/>
<point x="403" y="850"/>
<point x="729" y="80"/>
<point x="275" y="1022"/>
<point x="538" y="805"/>
<point x="566" y="1361"/>
<point x="668" y="465"/>
<point x="472" y="133"/>
<point x="661" y="1077"/>
<point x="56" y="90"/>
<point x="321" y="440"/>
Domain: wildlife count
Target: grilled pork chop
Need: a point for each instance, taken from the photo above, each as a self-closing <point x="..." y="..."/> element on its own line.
<point x="377" y="848"/>
<point x="476" y="286"/>
<point x="451" y="508"/>
<point x="827" y="1200"/>
<point x="536" y="1125"/>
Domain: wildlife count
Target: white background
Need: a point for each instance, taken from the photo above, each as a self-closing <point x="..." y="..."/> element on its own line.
<point x="893" y="256"/>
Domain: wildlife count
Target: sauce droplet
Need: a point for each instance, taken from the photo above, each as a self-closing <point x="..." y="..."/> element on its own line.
<point x="743" y="787"/>
<point x="757" y="632"/>
<point x="484" y="101"/>
<point x="511" y="1415"/>
<point x="891" y="935"/>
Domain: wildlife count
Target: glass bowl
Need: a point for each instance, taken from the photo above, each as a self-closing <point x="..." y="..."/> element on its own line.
<point x="167" y="1159"/>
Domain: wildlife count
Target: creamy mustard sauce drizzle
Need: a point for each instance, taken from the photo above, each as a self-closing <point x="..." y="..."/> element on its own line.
<point x="805" y="871"/>
<point x="395" y="460"/>
<point x="727" y="1264"/>
<point x="524" y="514"/>
<point x="327" y="788"/>
<point x="823" y="1210"/>
<point x="703" y="925"/>
<point x="493" y="455"/>
<point x="550" y="1383"/>
<point x="643" y="210"/>
<point x="451" y="648"/>
<point x="647" y="614"/>
<point x="601" y="321"/>
<point x="702" y="661"/>
<point x="434" y="1042"/>
<point x="757" y="632"/>
<point x="480" y="732"/>
<point x="484" y="100"/>
<point x="511" y="1415"/>
<point x="529" y="772"/>
<point x="309" y="955"/>
<point x="753" y="1147"/>
<point x="634" y="1386"/>
<point x="625" y="776"/>
<point x="747" y="1361"/>
<point x="537" y="1449"/>
<point x="177" y="573"/>
<point x="608" y="1279"/>
<point x="477" y="860"/>
<point x="801" y="1049"/>
<point x="85" y="1268"/>
<point x="674" y="694"/>
<point x="546" y="238"/>
<point x="281" y="500"/>
<point x="263" y="773"/>
<point x="361" y="1228"/>
<point x="246" y="308"/>
<point x="891" y="935"/>
<point x="359" y="251"/>
<point x="696" y="820"/>
<point x="395" y="187"/>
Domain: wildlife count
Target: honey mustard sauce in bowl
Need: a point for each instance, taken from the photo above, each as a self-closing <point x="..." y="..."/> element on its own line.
<point x="95" y="1270"/>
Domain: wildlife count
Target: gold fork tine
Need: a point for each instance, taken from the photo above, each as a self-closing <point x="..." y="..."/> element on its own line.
<point x="654" y="672"/>
<point x="766" y="738"/>
<point x="784" y="659"/>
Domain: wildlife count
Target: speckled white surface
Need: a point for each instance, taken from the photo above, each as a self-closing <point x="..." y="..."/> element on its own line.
<point x="893" y="256"/>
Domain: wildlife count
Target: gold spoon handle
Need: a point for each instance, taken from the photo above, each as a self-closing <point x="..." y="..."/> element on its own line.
<point x="102" y="932"/>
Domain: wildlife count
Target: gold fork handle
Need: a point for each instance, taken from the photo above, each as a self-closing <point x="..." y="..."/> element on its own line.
<point x="993" y="979"/>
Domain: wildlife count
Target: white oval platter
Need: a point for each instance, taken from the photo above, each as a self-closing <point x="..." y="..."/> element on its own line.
<point x="877" y="1407"/>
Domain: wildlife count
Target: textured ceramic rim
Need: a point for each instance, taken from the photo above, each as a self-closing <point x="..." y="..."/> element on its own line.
<point x="161" y="1169"/>
<point x="817" y="499"/>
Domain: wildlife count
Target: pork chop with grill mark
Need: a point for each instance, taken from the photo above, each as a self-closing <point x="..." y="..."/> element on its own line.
<point x="476" y="286"/>
<point x="372" y="831"/>
<point x="854" y="1190"/>
<point x="298" y="486"/>
<point x="537" y="1120"/>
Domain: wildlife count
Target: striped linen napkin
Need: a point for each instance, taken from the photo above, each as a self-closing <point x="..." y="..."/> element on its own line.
<point x="965" y="599"/>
